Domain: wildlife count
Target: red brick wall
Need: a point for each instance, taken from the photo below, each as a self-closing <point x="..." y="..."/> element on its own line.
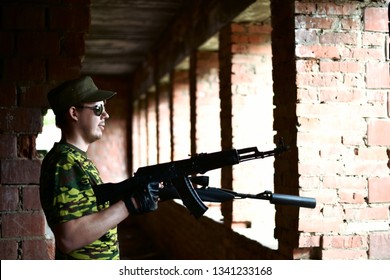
<point x="342" y="116"/>
<point x="40" y="46"/>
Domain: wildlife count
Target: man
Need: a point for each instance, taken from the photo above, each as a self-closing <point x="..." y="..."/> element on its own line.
<point x="83" y="227"/>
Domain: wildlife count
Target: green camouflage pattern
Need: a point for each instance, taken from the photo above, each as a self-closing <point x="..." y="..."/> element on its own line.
<point x="66" y="193"/>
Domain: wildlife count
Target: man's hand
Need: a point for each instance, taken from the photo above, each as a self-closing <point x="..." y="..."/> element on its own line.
<point x="143" y="200"/>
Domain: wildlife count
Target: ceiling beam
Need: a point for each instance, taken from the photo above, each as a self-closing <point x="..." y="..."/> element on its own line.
<point x="194" y="26"/>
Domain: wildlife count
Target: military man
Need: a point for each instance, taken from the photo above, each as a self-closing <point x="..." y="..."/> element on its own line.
<point x="83" y="227"/>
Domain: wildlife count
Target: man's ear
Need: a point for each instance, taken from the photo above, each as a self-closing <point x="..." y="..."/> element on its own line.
<point x="73" y="113"/>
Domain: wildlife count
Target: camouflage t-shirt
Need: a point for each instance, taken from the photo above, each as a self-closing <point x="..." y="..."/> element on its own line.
<point x="66" y="193"/>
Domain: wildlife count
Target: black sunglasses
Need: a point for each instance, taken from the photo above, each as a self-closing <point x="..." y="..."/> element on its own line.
<point x="97" y="109"/>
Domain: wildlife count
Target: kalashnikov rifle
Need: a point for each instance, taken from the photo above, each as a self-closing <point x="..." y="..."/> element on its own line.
<point x="178" y="174"/>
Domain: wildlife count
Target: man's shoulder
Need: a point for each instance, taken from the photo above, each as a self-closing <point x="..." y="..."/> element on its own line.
<point x="63" y="154"/>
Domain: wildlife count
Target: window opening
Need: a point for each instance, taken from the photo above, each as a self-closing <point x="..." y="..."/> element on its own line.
<point x="50" y="134"/>
<point x="44" y="142"/>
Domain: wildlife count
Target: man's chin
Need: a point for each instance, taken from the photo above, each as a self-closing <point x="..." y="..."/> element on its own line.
<point x="96" y="137"/>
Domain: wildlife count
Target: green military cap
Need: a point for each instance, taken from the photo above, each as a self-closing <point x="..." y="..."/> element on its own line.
<point x="75" y="92"/>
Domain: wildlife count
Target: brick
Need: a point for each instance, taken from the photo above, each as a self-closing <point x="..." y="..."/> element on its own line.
<point x="352" y="196"/>
<point x="38" y="44"/>
<point x="342" y="38"/>
<point x="375" y="19"/>
<point x="352" y="139"/>
<point x="7" y="146"/>
<point x="317" y="137"/>
<point x="21" y="120"/>
<point x="8" y="94"/>
<point x="367" y="167"/>
<point x="371" y="153"/>
<point x="342" y="9"/>
<point x="377" y="96"/>
<point x="325" y="167"/>
<point x="362" y="53"/>
<point x="320" y="225"/>
<point x="377" y="132"/>
<point x="344" y="254"/>
<point x="23" y="224"/>
<point x="354" y="80"/>
<point x="377" y="75"/>
<point x="379" y="246"/>
<point x="27" y="146"/>
<point x="310" y="22"/>
<point x="264" y="29"/>
<point x="74" y="44"/>
<point x="331" y="52"/>
<point x="379" y="190"/>
<point x="305" y="8"/>
<point x="23" y="17"/>
<point x="308" y="37"/>
<point x="64" y="68"/>
<point x="8" y="249"/>
<point x="24" y="69"/>
<point x="373" y="39"/>
<point x="30" y="198"/>
<point x="341" y="66"/>
<point x="361" y="227"/>
<point x="9" y="198"/>
<point x="344" y="242"/>
<point x="370" y="213"/>
<point x="11" y="171"/>
<point x="319" y="80"/>
<point x="350" y="24"/>
<point x="34" y="96"/>
<point x="39" y="249"/>
<point x="330" y="211"/>
<point x="335" y="182"/>
<point x="307" y="65"/>
<point x="309" y="241"/>
<point x="206" y="61"/>
<point x="238" y="28"/>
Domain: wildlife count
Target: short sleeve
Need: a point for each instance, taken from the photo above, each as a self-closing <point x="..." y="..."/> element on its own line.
<point x="73" y="195"/>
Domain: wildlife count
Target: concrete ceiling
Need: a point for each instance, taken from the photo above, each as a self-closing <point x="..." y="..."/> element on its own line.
<point x="124" y="32"/>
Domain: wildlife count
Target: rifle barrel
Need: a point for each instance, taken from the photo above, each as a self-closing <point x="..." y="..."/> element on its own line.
<point x="294" y="200"/>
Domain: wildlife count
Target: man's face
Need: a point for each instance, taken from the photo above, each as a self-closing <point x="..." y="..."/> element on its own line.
<point x="91" y="125"/>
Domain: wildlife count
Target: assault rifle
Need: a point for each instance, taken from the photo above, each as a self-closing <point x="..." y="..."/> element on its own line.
<point x="177" y="174"/>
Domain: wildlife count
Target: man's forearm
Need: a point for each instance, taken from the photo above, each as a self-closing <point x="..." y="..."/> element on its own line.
<point x="80" y="232"/>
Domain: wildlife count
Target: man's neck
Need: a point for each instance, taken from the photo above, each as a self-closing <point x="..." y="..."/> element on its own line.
<point x="75" y="141"/>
